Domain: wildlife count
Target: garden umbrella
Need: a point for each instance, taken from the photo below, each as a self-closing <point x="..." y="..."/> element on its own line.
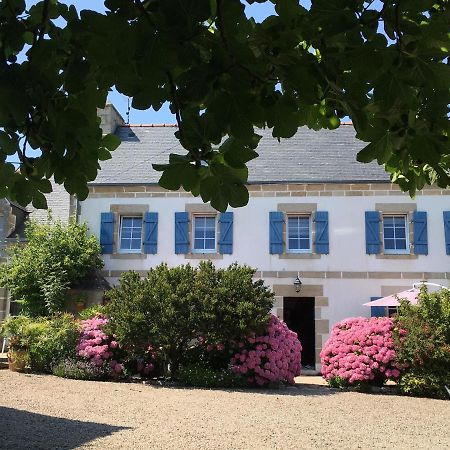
<point x="412" y="295"/>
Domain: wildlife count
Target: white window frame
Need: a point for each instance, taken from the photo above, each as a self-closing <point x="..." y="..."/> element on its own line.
<point x="304" y="251"/>
<point x="406" y="251"/>
<point x="201" y="216"/>
<point x="129" y="250"/>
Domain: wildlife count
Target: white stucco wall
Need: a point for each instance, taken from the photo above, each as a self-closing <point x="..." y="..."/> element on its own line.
<point x="346" y="237"/>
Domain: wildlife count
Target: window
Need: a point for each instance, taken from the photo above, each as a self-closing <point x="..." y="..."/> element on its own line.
<point x="299" y="234"/>
<point x="392" y="311"/>
<point x="204" y="228"/>
<point x="395" y="234"/>
<point x="130" y="234"/>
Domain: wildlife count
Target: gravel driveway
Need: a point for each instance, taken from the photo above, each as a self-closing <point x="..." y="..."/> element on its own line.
<point x="45" y="412"/>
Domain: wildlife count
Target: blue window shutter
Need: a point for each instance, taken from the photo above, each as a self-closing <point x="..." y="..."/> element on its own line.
<point x="181" y="233"/>
<point x="377" y="311"/>
<point x="420" y="233"/>
<point x="276" y="219"/>
<point x="373" y="243"/>
<point x="150" y="242"/>
<point x="226" y="233"/>
<point x="322" y="240"/>
<point x="107" y="232"/>
<point x="447" y="231"/>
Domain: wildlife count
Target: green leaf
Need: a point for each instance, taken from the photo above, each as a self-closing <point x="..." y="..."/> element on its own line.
<point x="7" y="144"/>
<point x="380" y="150"/>
<point x="236" y="154"/>
<point x="239" y="196"/>
<point x="104" y="154"/>
<point x="39" y="200"/>
<point x="111" y="142"/>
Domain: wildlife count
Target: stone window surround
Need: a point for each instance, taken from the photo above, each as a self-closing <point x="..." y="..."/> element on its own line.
<point x="205" y="210"/>
<point x="125" y="210"/>
<point x="392" y="209"/>
<point x="321" y="326"/>
<point x="298" y="209"/>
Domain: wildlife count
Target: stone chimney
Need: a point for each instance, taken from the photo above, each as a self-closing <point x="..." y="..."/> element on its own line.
<point x="110" y="117"/>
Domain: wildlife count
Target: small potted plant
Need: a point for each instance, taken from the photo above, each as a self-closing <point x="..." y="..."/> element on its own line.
<point x="18" y="355"/>
<point x="14" y="328"/>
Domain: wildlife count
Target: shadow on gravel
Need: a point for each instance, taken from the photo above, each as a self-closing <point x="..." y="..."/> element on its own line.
<point x="22" y="430"/>
<point x="299" y="389"/>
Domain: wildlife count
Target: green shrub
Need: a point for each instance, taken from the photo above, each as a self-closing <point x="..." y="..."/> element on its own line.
<point x="202" y="375"/>
<point x="424" y="384"/>
<point x="55" y="257"/>
<point x="91" y="311"/>
<point x="171" y="307"/>
<point x="48" y="340"/>
<point x="338" y="382"/>
<point x="425" y="349"/>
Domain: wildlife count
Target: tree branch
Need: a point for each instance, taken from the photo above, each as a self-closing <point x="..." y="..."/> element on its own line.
<point x="173" y="92"/>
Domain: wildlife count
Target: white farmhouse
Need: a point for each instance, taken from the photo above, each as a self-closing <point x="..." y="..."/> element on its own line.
<point x="314" y="213"/>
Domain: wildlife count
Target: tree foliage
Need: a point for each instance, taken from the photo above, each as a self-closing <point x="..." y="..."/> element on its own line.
<point x="171" y="307"/>
<point x="383" y="64"/>
<point x="55" y="257"/>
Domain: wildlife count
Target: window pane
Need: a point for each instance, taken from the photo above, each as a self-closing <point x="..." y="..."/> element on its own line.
<point x="126" y="233"/>
<point x="388" y="232"/>
<point x="388" y="220"/>
<point x="209" y="244"/>
<point x="304" y="244"/>
<point x="293" y="244"/>
<point x="125" y="244"/>
<point x="303" y="221"/>
<point x="389" y="244"/>
<point x="401" y="244"/>
<point x="127" y="222"/>
<point x="198" y="244"/>
<point x="210" y="233"/>
<point x="304" y="232"/>
<point x="400" y="233"/>
<point x="399" y="221"/>
<point x="135" y="244"/>
<point x="210" y="222"/>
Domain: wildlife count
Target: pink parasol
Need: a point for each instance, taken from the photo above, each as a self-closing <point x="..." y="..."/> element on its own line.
<point x="412" y="295"/>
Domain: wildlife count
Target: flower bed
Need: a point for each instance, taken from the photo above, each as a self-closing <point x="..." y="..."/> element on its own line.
<point x="360" y="350"/>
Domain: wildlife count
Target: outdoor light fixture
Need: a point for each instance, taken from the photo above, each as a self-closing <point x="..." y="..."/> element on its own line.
<point x="298" y="284"/>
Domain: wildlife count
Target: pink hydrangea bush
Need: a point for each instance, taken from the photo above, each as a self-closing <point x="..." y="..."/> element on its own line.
<point x="97" y="347"/>
<point x="272" y="357"/>
<point x="360" y="350"/>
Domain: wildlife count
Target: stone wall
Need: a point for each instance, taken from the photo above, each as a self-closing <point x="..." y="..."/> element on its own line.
<point x="110" y="118"/>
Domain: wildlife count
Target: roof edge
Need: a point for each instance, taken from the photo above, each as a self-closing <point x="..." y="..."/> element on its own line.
<point x="261" y="182"/>
<point x="175" y="125"/>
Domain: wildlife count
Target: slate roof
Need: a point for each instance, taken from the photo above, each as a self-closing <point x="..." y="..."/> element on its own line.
<point x="308" y="157"/>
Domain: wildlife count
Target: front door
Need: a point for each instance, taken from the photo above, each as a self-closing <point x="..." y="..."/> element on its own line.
<point x="298" y="314"/>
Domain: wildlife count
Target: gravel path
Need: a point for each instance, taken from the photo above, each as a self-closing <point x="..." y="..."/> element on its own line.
<point x="45" y="412"/>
